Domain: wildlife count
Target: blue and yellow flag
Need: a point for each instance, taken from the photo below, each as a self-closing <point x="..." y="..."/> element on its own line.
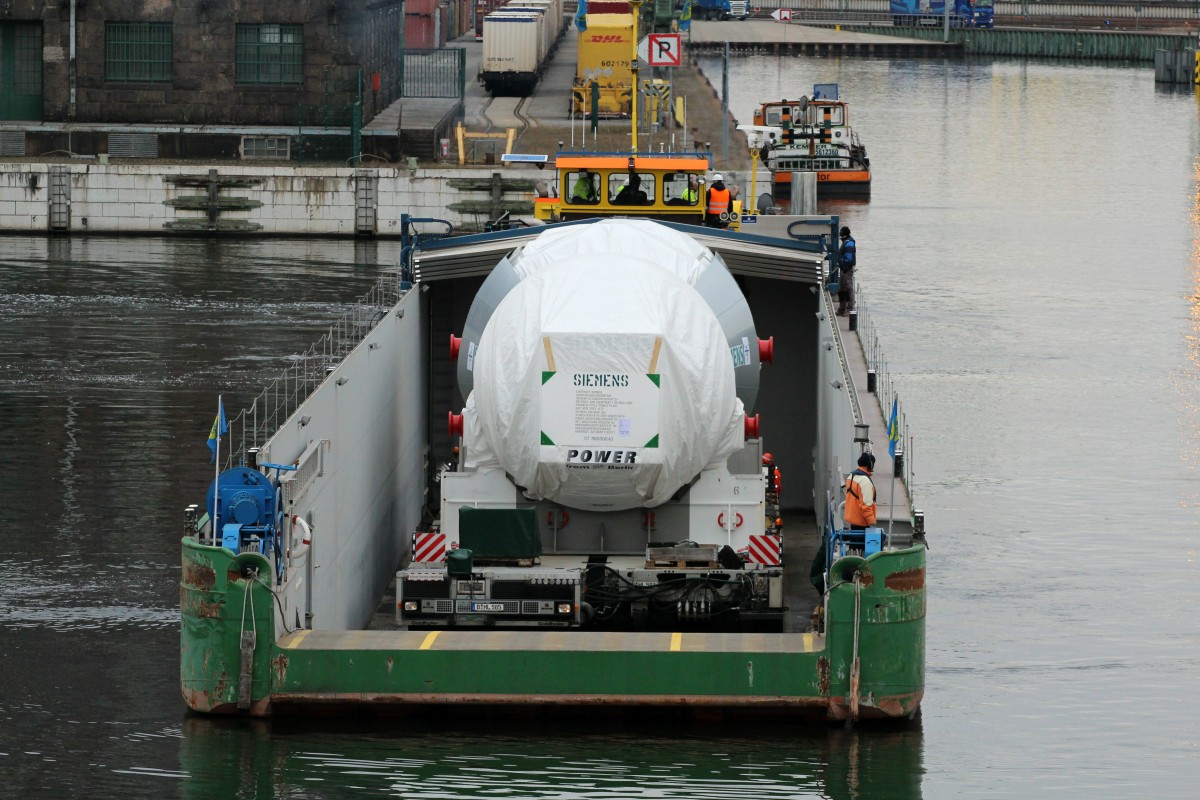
<point x="581" y="16"/>
<point x="220" y="427"/>
<point x="893" y="428"/>
<point x="685" y="19"/>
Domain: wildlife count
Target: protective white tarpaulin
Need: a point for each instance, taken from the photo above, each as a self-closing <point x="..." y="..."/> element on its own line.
<point x="603" y="380"/>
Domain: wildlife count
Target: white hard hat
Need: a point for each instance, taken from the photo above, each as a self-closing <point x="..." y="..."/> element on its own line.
<point x="716" y="177"/>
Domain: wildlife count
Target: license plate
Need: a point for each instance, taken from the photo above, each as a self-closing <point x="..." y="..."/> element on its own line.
<point x="486" y="607"/>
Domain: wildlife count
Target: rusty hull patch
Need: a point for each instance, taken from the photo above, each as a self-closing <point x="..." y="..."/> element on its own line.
<point x="200" y="701"/>
<point x="279" y="665"/>
<point x="199" y="576"/>
<point x="209" y="610"/>
<point x="823" y="676"/>
<point x="908" y="580"/>
<point x="209" y="701"/>
<point x="873" y="707"/>
<point x="900" y="705"/>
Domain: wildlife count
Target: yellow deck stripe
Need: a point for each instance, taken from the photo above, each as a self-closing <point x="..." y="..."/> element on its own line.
<point x="808" y="643"/>
<point x="429" y="640"/>
<point x="297" y="639"/>
<point x="676" y="642"/>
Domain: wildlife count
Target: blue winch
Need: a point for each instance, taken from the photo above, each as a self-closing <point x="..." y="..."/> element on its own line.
<point x="249" y="513"/>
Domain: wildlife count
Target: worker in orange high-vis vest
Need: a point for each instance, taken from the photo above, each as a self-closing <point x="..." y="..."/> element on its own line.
<point x="860" y="495"/>
<point x="720" y="201"/>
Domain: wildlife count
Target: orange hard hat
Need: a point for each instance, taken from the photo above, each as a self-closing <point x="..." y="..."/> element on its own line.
<point x="768" y="458"/>
<point x="454" y="449"/>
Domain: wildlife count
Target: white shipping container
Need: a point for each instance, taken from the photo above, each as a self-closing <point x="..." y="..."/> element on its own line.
<point x="553" y="10"/>
<point x="543" y="40"/>
<point x="554" y="16"/>
<point x="543" y="12"/>
<point x="511" y="42"/>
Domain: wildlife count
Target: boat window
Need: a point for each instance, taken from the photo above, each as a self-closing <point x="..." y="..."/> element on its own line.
<point x="837" y="115"/>
<point x="623" y="192"/>
<point x="681" y="189"/>
<point x="583" y="188"/>
<point x="773" y="116"/>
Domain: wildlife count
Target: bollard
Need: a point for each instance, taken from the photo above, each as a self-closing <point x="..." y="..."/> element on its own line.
<point x="852" y="321"/>
<point x="872" y="381"/>
<point x="804" y="193"/>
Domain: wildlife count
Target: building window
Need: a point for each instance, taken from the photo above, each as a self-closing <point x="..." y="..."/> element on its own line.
<point x="270" y="54"/>
<point x="27" y="74"/>
<point x="274" y="148"/>
<point x="137" y="52"/>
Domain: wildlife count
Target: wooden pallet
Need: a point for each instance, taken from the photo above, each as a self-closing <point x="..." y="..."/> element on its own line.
<point x="682" y="564"/>
<point x="682" y="558"/>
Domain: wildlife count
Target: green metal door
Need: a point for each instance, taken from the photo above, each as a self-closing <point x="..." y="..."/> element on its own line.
<point x="21" y="70"/>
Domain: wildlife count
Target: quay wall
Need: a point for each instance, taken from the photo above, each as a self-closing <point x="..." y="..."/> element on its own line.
<point x="1049" y="42"/>
<point x="292" y="201"/>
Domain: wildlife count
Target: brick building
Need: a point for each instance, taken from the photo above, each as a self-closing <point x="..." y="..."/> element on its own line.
<point x="196" y="62"/>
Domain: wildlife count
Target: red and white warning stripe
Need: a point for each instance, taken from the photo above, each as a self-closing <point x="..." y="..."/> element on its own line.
<point x="764" y="549"/>
<point x="429" y="547"/>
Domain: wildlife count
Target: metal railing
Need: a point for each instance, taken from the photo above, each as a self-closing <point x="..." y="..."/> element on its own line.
<point x="440" y="72"/>
<point x="829" y="299"/>
<point x="1128" y="9"/>
<point x="254" y="426"/>
<point x="885" y="390"/>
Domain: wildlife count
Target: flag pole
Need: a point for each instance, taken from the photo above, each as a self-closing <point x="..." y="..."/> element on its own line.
<point x="893" y="440"/>
<point x="892" y="501"/>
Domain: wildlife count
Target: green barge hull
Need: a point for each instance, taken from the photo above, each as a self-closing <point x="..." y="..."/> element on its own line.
<point x="229" y="666"/>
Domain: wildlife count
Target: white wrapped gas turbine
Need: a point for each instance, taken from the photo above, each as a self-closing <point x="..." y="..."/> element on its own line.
<point x="603" y="380"/>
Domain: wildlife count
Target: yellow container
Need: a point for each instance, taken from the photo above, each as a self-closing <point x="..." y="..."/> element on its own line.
<point x="605" y="57"/>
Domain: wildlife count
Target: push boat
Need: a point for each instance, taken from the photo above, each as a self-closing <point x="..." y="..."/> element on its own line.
<point x="811" y="135"/>
<point x="573" y="504"/>
<point x="668" y="186"/>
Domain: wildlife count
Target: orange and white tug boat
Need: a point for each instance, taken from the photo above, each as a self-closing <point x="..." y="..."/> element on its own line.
<point x="811" y="135"/>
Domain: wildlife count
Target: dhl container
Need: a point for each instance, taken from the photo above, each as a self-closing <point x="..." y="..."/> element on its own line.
<point x="605" y="56"/>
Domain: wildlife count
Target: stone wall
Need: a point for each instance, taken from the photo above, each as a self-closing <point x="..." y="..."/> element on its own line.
<point x="293" y="201"/>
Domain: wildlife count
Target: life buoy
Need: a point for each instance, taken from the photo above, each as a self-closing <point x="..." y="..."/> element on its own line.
<point x="721" y="520"/>
<point x="306" y="532"/>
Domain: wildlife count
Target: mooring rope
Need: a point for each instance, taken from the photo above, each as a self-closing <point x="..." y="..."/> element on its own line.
<point x="250" y="593"/>
<point x="248" y="644"/>
<point x="278" y="601"/>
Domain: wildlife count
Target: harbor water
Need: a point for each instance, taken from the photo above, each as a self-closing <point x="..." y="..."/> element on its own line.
<point x="1029" y="255"/>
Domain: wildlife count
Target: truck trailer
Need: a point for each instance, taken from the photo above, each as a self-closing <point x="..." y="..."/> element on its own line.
<point x="931" y="13"/>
